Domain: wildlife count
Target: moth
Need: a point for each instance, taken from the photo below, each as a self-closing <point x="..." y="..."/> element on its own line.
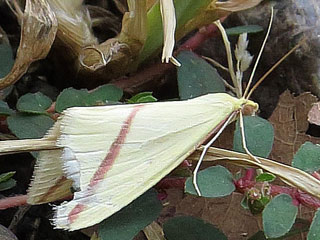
<point x="110" y="155"/>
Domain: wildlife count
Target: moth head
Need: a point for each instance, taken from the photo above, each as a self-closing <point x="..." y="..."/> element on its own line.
<point x="249" y="108"/>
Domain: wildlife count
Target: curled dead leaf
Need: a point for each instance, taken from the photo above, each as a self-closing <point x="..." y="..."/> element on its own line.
<point x="38" y="29"/>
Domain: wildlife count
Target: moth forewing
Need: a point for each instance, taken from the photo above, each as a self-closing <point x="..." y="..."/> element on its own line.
<point x="113" y="154"/>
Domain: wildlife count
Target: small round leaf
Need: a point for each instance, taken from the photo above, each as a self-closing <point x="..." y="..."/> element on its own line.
<point x="196" y="77"/>
<point x="6" y="59"/>
<point x="29" y="125"/>
<point x="314" y="231"/>
<point x="5" y="109"/>
<point x="259" y="136"/>
<point x="214" y="181"/>
<point x="190" y="228"/>
<point x="71" y="97"/>
<point x="126" y="223"/>
<point x="34" y="103"/>
<point x="104" y="94"/>
<point x="279" y="216"/>
<point x="307" y="158"/>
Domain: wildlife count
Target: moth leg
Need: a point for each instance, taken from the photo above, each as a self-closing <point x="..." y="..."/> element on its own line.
<point x="244" y="144"/>
<point x="205" y="149"/>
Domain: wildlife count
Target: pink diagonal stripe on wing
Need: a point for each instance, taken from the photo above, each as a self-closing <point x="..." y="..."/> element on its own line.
<point x="114" y="149"/>
<point x="107" y="162"/>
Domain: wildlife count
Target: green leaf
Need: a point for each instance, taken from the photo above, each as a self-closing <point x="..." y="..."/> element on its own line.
<point x="190" y="228"/>
<point x="259" y="136"/>
<point x="314" y="231"/>
<point x="213" y="182"/>
<point x="244" y="29"/>
<point x="5" y="109"/>
<point x="143" y="97"/>
<point x="258" y="236"/>
<point x="307" y="158"/>
<point x="6" y="176"/>
<point x="300" y="226"/>
<point x="8" y="184"/>
<point x="29" y="125"/>
<point x="71" y="97"/>
<point x="258" y="205"/>
<point x="6" y="59"/>
<point x="125" y="224"/>
<point x="244" y="203"/>
<point x="278" y="216"/>
<point x="185" y="10"/>
<point x="265" y="177"/>
<point x="104" y="94"/>
<point x="34" y="103"/>
<point x="196" y="77"/>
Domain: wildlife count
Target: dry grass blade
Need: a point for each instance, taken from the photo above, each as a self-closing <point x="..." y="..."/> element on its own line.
<point x="26" y="145"/>
<point x="38" y="30"/>
<point x="290" y="175"/>
<point x="154" y="232"/>
<point x="236" y="5"/>
<point x="169" y="26"/>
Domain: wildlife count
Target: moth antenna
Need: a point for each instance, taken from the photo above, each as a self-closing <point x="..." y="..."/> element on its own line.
<point x="243" y="137"/>
<point x="205" y="149"/>
<point x="274" y="66"/>
<point x="259" y="55"/>
<point x="26" y="145"/>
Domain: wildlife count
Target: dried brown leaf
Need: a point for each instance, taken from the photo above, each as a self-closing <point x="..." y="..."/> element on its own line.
<point x="289" y="120"/>
<point x="74" y="29"/>
<point x="314" y="114"/>
<point x="38" y="30"/>
<point x="6" y="234"/>
<point x="118" y="52"/>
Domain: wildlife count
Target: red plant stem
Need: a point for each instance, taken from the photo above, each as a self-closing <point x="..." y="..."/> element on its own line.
<point x="250" y="174"/>
<point x="298" y="197"/>
<point x="316" y="175"/>
<point x="167" y="183"/>
<point x="13" y="201"/>
<point x="200" y="37"/>
<point x="242" y="186"/>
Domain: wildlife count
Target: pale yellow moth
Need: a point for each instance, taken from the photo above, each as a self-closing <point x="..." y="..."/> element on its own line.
<point x="113" y="154"/>
<point x="110" y="155"/>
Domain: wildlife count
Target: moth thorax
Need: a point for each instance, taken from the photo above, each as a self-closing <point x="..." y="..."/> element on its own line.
<point x="249" y="108"/>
